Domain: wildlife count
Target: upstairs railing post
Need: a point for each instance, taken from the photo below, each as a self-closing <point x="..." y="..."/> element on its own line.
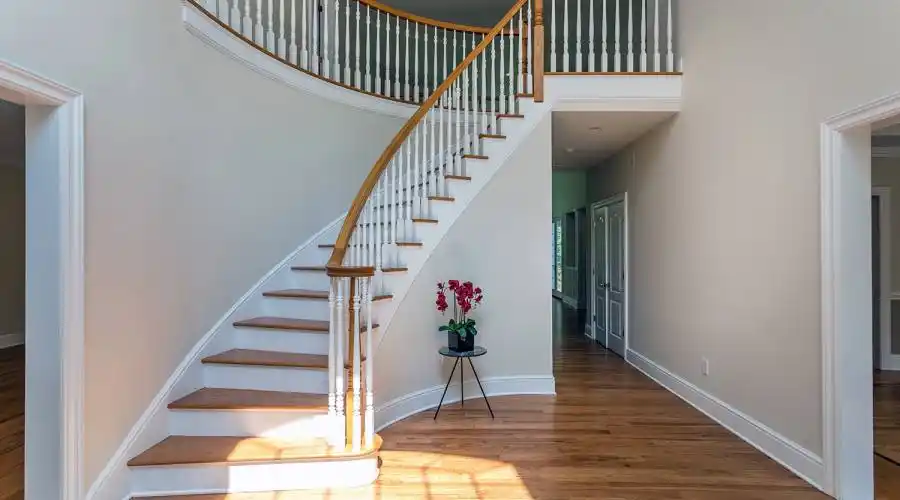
<point x="538" y="51"/>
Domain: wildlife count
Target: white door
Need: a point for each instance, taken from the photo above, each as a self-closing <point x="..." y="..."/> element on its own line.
<point x="599" y="266"/>
<point x="616" y="278"/>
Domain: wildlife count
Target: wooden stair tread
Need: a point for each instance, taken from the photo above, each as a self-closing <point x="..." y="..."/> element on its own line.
<point x="275" y="323"/>
<point x="278" y="359"/>
<point x="243" y="399"/>
<point x="191" y="450"/>
<point x="458" y="178"/>
<point x="425" y="221"/>
<point x="510" y="115"/>
<point x="394" y="269"/>
<point x="475" y="157"/>
<point x="442" y="198"/>
<point x="491" y="136"/>
<point x="526" y="95"/>
<point x="299" y="293"/>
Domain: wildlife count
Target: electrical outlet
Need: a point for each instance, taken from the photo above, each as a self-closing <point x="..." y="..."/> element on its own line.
<point x="704" y="367"/>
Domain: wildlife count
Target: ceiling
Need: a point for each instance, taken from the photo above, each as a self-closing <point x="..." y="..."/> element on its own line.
<point x="583" y="139"/>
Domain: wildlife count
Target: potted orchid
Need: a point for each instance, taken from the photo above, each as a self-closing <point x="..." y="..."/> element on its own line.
<point x="461" y="329"/>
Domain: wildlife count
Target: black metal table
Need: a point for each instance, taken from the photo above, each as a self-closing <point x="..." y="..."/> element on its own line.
<point x="477" y="351"/>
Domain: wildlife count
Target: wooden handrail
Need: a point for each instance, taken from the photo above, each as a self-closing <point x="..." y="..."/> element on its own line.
<point x="375" y="4"/>
<point x="335" y="263"/>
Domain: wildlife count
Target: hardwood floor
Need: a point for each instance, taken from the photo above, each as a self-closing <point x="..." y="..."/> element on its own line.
<point x="12" y="423"/>
<point x="887" y="415"/>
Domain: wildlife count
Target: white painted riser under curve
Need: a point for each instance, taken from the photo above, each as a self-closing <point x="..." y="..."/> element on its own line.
<point x="264" y="378"/>
<point x="237" y="478"/>
<point x="280" y="340"/>
<point x="262" y="423"/>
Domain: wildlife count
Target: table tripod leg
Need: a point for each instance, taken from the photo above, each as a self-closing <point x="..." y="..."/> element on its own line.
<point x="482" y="388"/>
<point x="462" y="389"/>
<point x="445" y="389"/>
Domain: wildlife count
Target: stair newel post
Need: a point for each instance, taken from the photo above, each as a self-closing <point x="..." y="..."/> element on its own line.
<point x="333" y="312"/>
<point x="339" y="377"/>
<point x="370" y="359"/>
<point x="538" y="41"/>
<point x="354" y="346"/>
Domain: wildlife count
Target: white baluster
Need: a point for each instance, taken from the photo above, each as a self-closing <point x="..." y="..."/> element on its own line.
<point x="656" y="55"/>
<point x="465" y="147"/>
<point x="356" y="438"/>
<point x="339" y="373"/>
<point x="382" y="222"/>
<point x="336" y="71"/>
<point x="416" y="69"/>
<point x="426" y="92"/>
<point x="314" y="37"/>
<point x="259" y="35"/>
<point x="397" y="89"/>
<point x="357" y="74"/>
<point x="387" y="56"/>
<point x="347" y="71"/>
<point x="566" y="34"/>
<point x="434" y="62"/>
<point x="247" y="22"/>
<point x="458" y="138"/>
<point x="523" y="40"/>
<point x="370" y="360"/>
<point x="455" y="58"/>
<point x="326" y="28"/>
<point x="406" y="64"/>
<point x="643" y="35"/>
<point x="281" y="47"/>
<point x="292" y="48"/>
<point x="270" y="31"/>
<point x="670" y="56"/>
<point x="430" y="162"/>
<point x="553" y="36"/>
<point x="591" y="56"/>
<point x="442" y="124"/>
<point x="618" y="57"/>
<point x="235" y="18"/>
<point x="578" y="38"/>
<point x="395" y="188"/>
<point x="423" y="164"/>
<point x="332" y="355"/>
<point x="369" y="48"/>
<point x="410" y="171"/>
<point x="483" y="77"/>
<point x="502" y="75"/>
<point x="512" y="70"/>
<point x="495" y="101"/>
<point x="222" y="10"/>
<point x="473" y="105"/>
<point x="210" y="6"/>
<point x="604" y="62"/>
<point x="377" y="51"/>
<point x="445" y="54"/>
<point x="630" y="35"/>
<point x="529" y="59"/>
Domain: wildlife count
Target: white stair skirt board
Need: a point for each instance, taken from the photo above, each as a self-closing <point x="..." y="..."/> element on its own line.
<point x="280" y="340"/>
<point x="253" y="477"/>
<point x="791" y="455"/>
<point x="417" y="402"/>
<point x="11" y="340"/>
<point x="266" y="378"/>
<point x="249" y="423"/>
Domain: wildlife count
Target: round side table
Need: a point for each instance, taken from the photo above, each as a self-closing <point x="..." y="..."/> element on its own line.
<point x="474" y="353"/>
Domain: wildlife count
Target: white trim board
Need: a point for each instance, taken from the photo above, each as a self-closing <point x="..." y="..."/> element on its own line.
<point x="12" y="339"/>
<point x="405" y="406"/>
<point x="152" y="426"/>
<point x="30" y="89"/>
<point x="846" y="172"/>
<point x="209" y="31"/>
<point x="799" y="460"/>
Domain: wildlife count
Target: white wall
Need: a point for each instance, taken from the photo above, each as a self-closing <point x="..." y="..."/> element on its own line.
<point x="724" y="199"/>
<point x="12" y="222"/>
<point x="200" y="175"/>
<point x="501" y="242"/>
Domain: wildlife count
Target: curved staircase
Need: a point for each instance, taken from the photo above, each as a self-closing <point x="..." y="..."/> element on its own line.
<point x="287" y="401"/>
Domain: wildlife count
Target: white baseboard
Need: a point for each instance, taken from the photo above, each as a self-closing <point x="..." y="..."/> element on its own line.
<point x="405" y="406"/>
<point x="11" y="340"/>
<point x="799" y="460"/>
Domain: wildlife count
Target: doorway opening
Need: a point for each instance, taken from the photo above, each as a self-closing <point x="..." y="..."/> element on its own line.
<point x="54" y="281"/>
<point x="608" y="280"/>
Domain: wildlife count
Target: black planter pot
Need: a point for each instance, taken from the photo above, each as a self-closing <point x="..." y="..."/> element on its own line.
<point x="457" y="343"/>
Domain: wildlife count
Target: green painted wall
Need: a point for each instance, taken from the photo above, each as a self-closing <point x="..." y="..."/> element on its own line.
<point x="569" y="190"/>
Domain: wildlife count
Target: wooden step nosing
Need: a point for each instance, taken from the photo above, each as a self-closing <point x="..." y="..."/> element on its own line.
<point x="346" y="457"/>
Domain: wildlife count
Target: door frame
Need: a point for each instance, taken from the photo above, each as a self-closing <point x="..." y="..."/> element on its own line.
<point x="621" y="197"/>
<point x="63" y="110"/>
<point x="889" y="361"/>
<point x="846" y="235"/>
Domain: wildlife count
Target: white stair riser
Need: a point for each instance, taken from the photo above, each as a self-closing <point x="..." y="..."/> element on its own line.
<point x="262" y="423"/>
<point x="295" y="307"/>
<point x="280" y="340"/>
<point x="264" y="378"/>
<point x="198" y="479"/>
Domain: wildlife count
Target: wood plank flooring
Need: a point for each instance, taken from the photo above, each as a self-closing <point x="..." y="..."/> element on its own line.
<point x="12" y="423"/>
<point x="887" y="415"/>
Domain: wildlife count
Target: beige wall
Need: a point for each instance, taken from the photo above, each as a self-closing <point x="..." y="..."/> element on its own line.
<point x="724" y="198"/>
<point x="500" y="243"/>
<point x="200" y="176"/>
<point x="12" y="218"/>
